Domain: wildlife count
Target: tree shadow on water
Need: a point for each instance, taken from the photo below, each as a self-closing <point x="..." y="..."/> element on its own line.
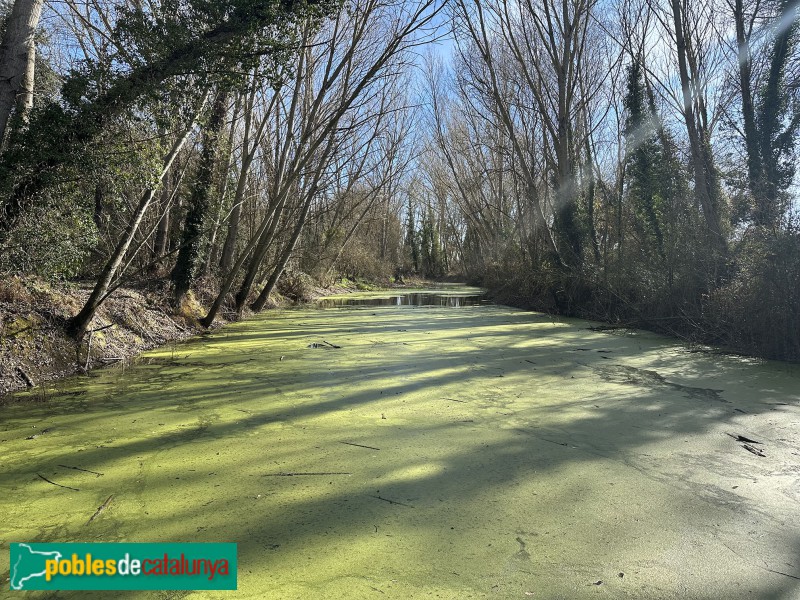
<point x="499" y="454"/>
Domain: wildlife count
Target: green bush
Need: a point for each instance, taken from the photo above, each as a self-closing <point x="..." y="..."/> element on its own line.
<point x="297" y="286"/>
<point x="53" y="241"/>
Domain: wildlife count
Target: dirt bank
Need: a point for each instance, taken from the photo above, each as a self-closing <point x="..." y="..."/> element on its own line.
<point x="35" y="349"/>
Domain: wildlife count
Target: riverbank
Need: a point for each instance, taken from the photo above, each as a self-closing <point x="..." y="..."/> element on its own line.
<point x="715" y="323"/>
<point x="34" y="349"/>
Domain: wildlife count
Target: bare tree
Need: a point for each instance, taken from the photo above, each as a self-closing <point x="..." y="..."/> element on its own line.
<point x="695" y="113"/>
<point x="355" y="51"/>
<point x="541" y="69"/>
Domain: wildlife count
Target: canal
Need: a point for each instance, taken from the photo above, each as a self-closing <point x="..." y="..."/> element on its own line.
<point x="432" y="445"/>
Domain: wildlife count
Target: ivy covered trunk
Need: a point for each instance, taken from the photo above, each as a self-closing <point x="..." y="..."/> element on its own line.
<point x="189" y="260"/>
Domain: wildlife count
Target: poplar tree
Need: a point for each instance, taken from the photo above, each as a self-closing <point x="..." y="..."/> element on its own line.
<point x="642" y="157"/>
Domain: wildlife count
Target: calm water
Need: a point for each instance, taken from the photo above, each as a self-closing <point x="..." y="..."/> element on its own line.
<point x="410" y="299"/>
<point x="480" y="452"/>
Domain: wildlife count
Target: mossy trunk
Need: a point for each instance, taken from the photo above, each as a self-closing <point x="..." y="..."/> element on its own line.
<point x="189" y="255"/>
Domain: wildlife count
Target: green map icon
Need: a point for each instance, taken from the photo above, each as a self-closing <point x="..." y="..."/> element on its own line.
<point x="123" y="566"/>
<point x="27" y="564"/>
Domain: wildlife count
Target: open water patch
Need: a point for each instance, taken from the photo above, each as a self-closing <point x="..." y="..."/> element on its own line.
<point x="410" y="299"/>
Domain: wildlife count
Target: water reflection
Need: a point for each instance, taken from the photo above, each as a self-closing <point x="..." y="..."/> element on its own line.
<point x="410" y="299"/>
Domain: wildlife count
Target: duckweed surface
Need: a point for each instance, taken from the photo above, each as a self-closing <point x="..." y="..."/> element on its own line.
<point x="469" y="452"/>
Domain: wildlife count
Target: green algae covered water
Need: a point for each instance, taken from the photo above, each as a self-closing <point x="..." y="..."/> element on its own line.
<point x="425" y="450"/>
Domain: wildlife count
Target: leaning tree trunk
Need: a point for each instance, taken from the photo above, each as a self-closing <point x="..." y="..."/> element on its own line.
<point x="17" y="61"/>
<point x="284" y="258"/>
<point x="229" y="247"/>
<point x="259" y="254"/>
<point x="162" y="232"/>
<point x="78" y="325"/>
<point x="224" y="168"/>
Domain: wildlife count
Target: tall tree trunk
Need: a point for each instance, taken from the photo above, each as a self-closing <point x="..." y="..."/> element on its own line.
<point x="565" y="209"/>
<point x="706" y="187"/>
<point x="162" y="232"/>
<point x="188" y="260"/>
<point x="224" y="170"/>
<point x="251" y="140"/>
<point x="229" y="247"/>
<point x="17" y="62"/>
<point x="748" y="106"/>
<point x="591" y="191"/>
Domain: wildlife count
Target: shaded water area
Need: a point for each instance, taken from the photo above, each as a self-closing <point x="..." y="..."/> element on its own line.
<point x="385" y="451"/>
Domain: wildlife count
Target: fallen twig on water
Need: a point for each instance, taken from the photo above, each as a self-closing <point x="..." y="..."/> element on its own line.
<point x="100" y="508"/>
<point x="755" y="564"/>
<point x="36" y="435"/>
<point x="66" y="487"/>
<point x="392" y="501"/>
<point x="360" y="445"/>
<point x="741" y="438"/>
<point x="79" y="469"/>
<point x="754" y="450"/>
<point x="298" y="474"/>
